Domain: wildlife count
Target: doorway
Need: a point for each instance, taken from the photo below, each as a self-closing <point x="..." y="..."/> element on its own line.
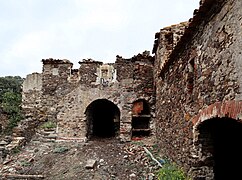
<point x="220" y="139"/>
<point x="103" y="119"/>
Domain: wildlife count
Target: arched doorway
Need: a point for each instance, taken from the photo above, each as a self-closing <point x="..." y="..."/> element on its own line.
<point x="140" y="118"/>
<point x="103" y="119"/>
<point x="220" y="139"/>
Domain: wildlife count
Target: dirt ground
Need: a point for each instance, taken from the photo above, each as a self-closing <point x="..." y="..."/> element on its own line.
<point x="66" y="160"/>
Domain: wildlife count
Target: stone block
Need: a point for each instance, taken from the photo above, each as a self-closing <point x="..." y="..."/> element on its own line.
<point x="91" y="163"/>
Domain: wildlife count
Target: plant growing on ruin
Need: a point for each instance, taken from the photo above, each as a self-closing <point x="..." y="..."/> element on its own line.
<point x="24" y="163"/>
<point x="48" y="125"/>
<point x="171" y="171"/>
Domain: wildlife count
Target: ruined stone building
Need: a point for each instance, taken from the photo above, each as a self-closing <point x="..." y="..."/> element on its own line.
<point x="115" y="99"/>
<point x="188" y="94"/>
<point x="198" y="76"/>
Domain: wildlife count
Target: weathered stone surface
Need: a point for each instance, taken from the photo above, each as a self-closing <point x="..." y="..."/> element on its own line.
<point x="91" y="163"/>
<point x="3" y="143"/>
<point x="63" y="95"/>
<point x="197" y="79"/>
<point x="197" y="75"/>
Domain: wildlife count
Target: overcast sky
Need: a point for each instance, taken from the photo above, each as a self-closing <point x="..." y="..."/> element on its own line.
<point x="32" y="30"/>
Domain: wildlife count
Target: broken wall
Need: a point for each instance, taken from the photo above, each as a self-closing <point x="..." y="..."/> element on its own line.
<point x="115" y="82"/>
<point x="204" y="68"/>
<point x="31" y="93"/>
<point x="66" y="93"/>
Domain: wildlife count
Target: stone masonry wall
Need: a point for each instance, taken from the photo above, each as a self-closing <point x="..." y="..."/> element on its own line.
<point x="31" y="101"/>
<point x="136" y="83"/>
<point x="88" y="69"/>
<point x="66" y="93"/>
<point x="203" y="69"/>
<point x="56" y="83"/>
<point x="167" y="38"/>
<point x="129" y="86"/>
<point x="31" y="106"/>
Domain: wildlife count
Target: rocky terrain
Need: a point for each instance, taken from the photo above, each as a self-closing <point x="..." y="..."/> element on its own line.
<point x="98" y="159"/>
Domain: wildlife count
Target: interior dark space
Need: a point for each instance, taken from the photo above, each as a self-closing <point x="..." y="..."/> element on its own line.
<point x="102" y="119"/>
<point x="221" y="137"/>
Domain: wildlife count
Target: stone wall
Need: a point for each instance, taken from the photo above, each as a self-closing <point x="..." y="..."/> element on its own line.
<point x="31" y="95"/>
<point x="115" y="82"/>
<point x="65" y="93"/>
<point x="204" y="68"/>
<point x="88" y="72"/>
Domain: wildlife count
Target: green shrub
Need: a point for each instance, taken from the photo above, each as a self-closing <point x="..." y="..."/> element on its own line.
<point x="24" y="163"/>
<point x="171" y="172"/>
<point x="11" y="106"/>
<point x="61" y="149"/>
<point x="16" y="150"/>
<point x="48" y="125"/>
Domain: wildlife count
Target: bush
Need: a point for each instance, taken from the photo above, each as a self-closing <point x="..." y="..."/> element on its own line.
<point x="48" y="125"/>
<point x="10" y="100"/>
<point x="11" y="105"/>
<point x="171" y="172"/>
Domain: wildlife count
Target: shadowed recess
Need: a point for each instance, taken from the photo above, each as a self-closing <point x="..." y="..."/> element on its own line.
<point x="220" y="138"/>
<point x="103" y="119"/>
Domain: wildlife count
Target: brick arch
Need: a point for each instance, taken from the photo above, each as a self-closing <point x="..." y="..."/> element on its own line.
<point x="224" y="114"/>
<point x="227" y="109"/>
<point x="231" y="109"/>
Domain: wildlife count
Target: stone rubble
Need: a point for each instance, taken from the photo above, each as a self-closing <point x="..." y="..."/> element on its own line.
<point x="105" y="159"/>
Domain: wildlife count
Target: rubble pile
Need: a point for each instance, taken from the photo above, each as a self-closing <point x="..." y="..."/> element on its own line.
<point x="97" y="159"/>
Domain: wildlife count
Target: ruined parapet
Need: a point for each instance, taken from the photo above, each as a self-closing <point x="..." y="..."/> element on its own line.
<point x="136" y="74"/>
<point x="88" y="70"/>
<point x="74" y="76"/>
<point x="31" y="106"/>
<point x="166" y="41"/>
<point x="97" y="74"/>
<point x="125" y="69"/>
<point x="65" y="93"/>
<point x="31" y="94"/>
<point x="32" y="82"/>
<point x="55" y="76"/>
<point x="170" y="41"/>
<point x="106" y="75"/>
<point x="144" y="57"/>
<point x="56" y="83"/>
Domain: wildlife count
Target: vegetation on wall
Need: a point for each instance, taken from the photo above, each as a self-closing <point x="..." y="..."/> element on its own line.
<point x="10" y="100"/>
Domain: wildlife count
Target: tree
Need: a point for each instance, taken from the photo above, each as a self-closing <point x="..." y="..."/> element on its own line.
<point x="10" y="84"/>
<point x="10" y="99"/>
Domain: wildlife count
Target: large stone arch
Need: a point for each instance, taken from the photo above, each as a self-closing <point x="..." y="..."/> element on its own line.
<point x="102" y="119"/>
<point x="217" y="132"/>
<point x="73" y="123"/>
